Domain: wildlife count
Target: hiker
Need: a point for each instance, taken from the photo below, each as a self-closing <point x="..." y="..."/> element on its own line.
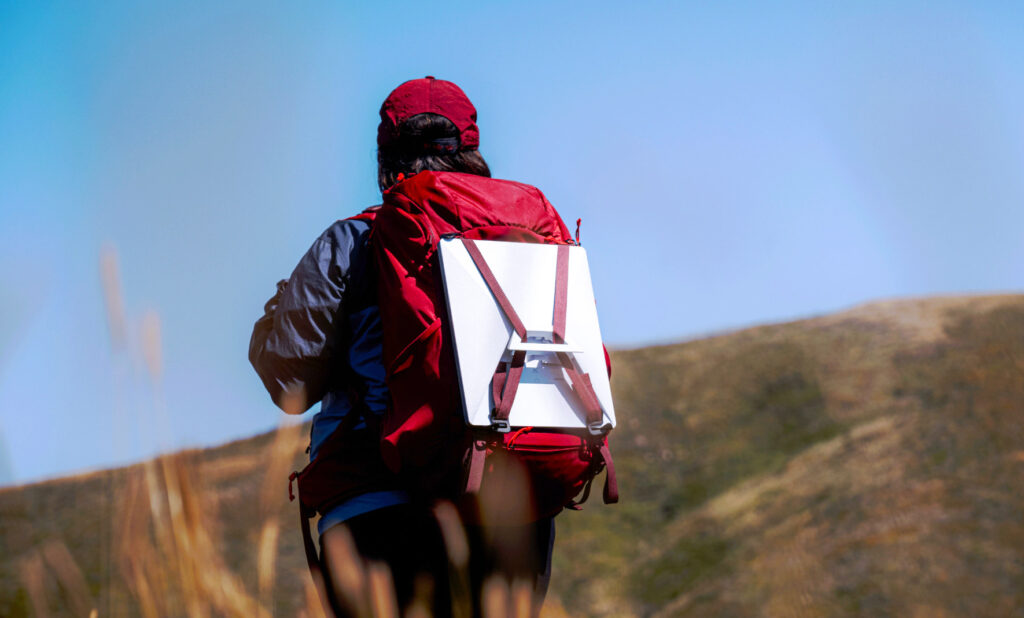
<point x="322" y="339"/>
<point x="509" y="480"/>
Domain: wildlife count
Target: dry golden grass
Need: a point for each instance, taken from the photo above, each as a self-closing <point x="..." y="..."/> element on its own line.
<point x="857" y="464"/>
<point x="197" y="534"/>
<point x="162" y="545"/>
<point x="170" y="558"/>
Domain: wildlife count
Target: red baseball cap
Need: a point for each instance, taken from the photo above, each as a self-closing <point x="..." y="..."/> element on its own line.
<point x="429" y="96"/>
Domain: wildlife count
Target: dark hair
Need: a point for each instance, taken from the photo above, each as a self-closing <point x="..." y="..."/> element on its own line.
<point x="414" y="151"/>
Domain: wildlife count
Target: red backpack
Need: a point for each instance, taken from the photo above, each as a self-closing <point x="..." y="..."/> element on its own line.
<point x="424" y="436"/>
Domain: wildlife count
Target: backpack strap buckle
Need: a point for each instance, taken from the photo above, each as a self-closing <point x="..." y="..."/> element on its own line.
<point x="501" y="425"/>
<point x="596" y="428"/>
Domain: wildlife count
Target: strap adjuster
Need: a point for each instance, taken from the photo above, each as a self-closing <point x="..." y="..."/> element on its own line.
<point x="501" y="425"/>
<point x="596" y="428"/>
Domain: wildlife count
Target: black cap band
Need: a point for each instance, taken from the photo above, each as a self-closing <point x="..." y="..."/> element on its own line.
<point x="446" y="145"/>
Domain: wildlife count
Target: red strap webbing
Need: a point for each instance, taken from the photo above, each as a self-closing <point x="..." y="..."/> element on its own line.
<point x="584" y="389"/>
<point x="475" y="474"/>
<point x="611" y="483"/>
<point x="498" y="382"/>
<point x="313" y="561"/>
<point x="561" y="292"/>
<point x="503" y="406"/>
<point x="574" y="504"/>
<point x="580" y="381"/>
<point x="492" y="283"/>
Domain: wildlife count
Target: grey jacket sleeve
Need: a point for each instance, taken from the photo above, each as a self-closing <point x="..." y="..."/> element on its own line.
<point x="293" y="343"/>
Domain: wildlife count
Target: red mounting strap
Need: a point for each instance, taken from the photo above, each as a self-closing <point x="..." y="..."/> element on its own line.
<point x="498" y="382"/>
<point x="492" y="283"/>
<point x="611" y="483"/>
<point x="313" y="561"/>
<point x="503" y="406"/>
<point x="584" y="389"/>
<point x="475" y="474"/>
<point x="575" y="504"/>
<point x="561" y="292"/>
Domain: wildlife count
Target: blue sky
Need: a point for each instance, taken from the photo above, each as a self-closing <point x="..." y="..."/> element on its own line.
<point x="733" y="164"/>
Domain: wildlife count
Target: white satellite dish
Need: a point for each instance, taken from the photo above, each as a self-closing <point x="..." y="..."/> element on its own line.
<point x="484" y="336"/>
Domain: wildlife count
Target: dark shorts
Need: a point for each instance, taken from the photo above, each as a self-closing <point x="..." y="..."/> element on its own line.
<point x="408" y="539"/>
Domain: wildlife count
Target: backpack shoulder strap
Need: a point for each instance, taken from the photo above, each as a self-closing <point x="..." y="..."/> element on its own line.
<point x="313" y="561"/>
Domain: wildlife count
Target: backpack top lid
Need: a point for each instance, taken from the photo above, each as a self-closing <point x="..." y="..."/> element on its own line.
<point x="456" y="202"/>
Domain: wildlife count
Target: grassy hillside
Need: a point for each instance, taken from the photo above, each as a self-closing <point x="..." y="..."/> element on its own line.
<point x="212" y="528"/>
<point x="866" y="463"/>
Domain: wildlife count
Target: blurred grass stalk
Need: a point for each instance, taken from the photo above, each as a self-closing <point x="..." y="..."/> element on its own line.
<point x="167" y="550"/>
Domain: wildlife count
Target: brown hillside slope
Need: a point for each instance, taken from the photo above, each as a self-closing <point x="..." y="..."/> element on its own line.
<point x="864" y="463"/>
<point x="178" y="536"/>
